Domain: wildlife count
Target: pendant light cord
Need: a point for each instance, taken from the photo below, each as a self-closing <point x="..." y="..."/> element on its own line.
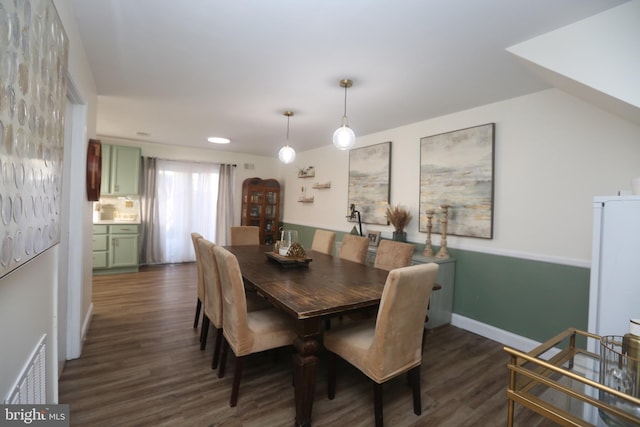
<point x="288" y="117"/>
<point x="344" y="116"/>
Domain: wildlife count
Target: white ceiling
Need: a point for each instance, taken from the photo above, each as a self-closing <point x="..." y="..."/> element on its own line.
<point x="185" y="70"/>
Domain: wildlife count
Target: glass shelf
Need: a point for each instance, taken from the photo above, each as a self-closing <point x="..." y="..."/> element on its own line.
<point x="561" y="381"/>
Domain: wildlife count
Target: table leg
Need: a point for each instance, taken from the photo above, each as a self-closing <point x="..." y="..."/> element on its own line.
<point x="305" y="362"/>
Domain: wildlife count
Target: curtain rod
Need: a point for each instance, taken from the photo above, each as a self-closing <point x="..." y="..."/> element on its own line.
<point x="183" y="160"/>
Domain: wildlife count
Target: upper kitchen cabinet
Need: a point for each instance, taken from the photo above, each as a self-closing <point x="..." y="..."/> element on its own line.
<point x="120" y="170"/>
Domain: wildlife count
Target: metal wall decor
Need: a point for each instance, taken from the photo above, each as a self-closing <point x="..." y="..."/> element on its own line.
<point x="369" y="177"/>
<point x="33" y="88"/>
<point x="456" y="169"/>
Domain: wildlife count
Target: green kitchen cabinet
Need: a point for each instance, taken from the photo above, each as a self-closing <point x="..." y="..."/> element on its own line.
<point x="115" y="248"/>
<point x="124" y="245"/>
<point x="100" y="247"/>
<point x="106" y="166"/>
<point x="120" y="170"/>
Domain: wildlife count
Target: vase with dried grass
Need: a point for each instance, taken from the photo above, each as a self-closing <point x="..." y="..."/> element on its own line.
<point x="399" y="217"/>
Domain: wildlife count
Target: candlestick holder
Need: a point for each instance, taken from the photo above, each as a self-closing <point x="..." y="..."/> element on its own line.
<point x="443" y="252"/>
<point x="428" y="250"/>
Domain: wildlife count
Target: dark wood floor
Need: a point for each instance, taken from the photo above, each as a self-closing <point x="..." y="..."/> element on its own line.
<point x="142" y="366"/>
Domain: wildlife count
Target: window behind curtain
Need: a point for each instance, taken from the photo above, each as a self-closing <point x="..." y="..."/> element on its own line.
<point x="187" y="194"/>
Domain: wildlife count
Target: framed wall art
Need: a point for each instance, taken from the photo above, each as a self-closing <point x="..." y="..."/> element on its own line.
<point x="456" y="169"/>
<point x="369" y="176"/>
<point x="374" y="238"/>
<point x="33" y="89"/>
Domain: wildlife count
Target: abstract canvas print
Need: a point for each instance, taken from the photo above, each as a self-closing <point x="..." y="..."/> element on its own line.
<point x="456" y="169"/>
<point x="369" y="174"/>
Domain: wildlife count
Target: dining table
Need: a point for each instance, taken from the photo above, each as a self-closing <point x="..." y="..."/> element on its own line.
<point x="309" y="290"/>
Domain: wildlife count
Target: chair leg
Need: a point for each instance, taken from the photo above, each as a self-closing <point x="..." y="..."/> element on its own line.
<point x="236" y="381"/>
<point x="331" y="381"/>
<point x="377" y="403"/>
<point x="216" y="349"/>
<point x="223" y="358"/>
<point x="415" y="383"/>
<point x="425" y="331"/>
<point x="198" y="307"/>
<point x="204" y="332"/>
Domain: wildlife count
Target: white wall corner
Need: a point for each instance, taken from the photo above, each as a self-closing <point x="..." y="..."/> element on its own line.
<point x="590" y="59"/>
<point x="86" y="323"/>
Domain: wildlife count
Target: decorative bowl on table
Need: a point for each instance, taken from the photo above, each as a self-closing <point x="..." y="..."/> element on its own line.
<point x="295" y="255"/>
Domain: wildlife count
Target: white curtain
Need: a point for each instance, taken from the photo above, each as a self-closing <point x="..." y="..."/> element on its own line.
<point x="187" y="196"/>
<point x="226" y="185"/>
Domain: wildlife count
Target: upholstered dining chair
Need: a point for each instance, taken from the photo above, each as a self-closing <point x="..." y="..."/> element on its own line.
<point x="245" y="235"/>
<point x="354" y="248"/>
<point x="392" y="345"/>
<point x="194" y="238"/>
<point x="393" y="254"/>
<point x="323" y="241"/>
<point x="246" y="332"/>
<point x="213" y="299"/>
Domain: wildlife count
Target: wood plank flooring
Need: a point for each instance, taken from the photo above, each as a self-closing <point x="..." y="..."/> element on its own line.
<point x="141" y="366"/>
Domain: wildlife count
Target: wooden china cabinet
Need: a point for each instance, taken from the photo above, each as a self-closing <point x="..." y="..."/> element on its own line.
<point x="261" y="207"/>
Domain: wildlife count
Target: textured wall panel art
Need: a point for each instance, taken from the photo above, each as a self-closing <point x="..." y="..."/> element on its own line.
<point x="456" y="169"/>
<point x="33" y="69"/>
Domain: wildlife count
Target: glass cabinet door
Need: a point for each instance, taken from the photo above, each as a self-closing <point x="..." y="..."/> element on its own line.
<point x="260" y="207"/>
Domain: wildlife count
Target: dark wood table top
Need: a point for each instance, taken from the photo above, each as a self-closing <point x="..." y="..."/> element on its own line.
<point x="327" y="286"/>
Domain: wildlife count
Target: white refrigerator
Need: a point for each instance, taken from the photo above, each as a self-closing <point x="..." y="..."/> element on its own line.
<point x="614" y="292"/>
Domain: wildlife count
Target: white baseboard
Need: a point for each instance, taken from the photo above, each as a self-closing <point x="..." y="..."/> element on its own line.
<point x="503" y="337"/>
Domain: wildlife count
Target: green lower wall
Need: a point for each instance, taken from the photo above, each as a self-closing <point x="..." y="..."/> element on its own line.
<point x="533" y="299"/>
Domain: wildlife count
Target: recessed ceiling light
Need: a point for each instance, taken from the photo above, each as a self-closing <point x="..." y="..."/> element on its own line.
<point x="139" y="133"/>
<point x="218" y="140"/>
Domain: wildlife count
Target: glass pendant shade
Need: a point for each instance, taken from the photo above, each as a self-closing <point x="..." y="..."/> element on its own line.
<point x="287" y="154"/>
<point x="344" y="138"/>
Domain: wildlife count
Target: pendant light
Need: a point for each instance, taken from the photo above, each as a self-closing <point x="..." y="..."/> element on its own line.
<point x="343" y="137"/>
<point x="286" y="153"/>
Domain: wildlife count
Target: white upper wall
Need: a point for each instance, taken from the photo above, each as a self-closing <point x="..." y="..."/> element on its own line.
<point x="553" y="154"/>
<point x="596" y="59"/>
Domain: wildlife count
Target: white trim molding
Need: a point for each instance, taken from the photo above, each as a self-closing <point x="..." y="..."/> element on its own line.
<point x="495" y="334"/>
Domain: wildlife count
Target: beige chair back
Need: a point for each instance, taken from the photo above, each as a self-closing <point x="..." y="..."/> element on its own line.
<point x="234" y="304"/>
<point x="246" y="332"/>
<point x="393" y="254"/>
<point x="245" y="235"/>
<point x="397" y="342"/>
<point x="194" y="238"/>
<point x="354" y="248"/>
<point x="211" y="275"/>
<point x="323" y="241"/>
